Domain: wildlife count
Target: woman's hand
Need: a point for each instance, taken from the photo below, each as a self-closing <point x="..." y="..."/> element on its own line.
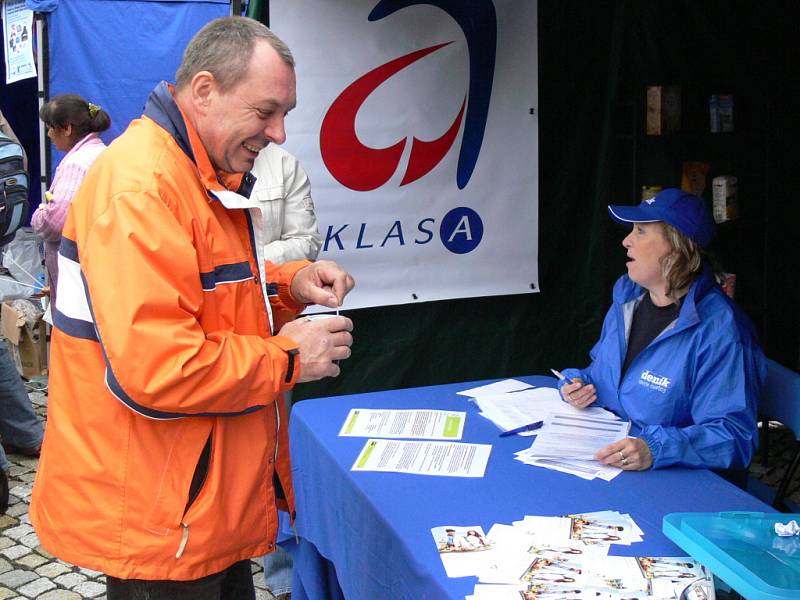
<point x="631" y="454"/>
<point x="577" y="394"/>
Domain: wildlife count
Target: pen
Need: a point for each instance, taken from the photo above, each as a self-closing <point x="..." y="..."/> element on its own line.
<point x="528" y="427"/>
<point x="561" y="376"/>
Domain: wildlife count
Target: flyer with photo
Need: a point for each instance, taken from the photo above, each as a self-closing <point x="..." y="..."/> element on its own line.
<point x="464" y="550"/>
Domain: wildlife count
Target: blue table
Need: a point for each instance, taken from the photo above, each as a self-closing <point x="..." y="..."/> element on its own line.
<point x="368" y="534"/>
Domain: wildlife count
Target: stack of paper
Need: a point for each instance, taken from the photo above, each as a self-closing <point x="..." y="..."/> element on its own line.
<point x="569" y="437"/>
<point x="560" y="558"/>
<point x="567" y="443"/>
<point x="498" y="387"/>
<point x="512" y="403"/>
<point x="604" y="527"/>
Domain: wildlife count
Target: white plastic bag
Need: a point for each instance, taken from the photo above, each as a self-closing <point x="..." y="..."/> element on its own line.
<point x="22" y="256"/>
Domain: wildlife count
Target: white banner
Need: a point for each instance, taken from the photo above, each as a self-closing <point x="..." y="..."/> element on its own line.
<point x="417" y="122"/>
<point x="18" y="41"/>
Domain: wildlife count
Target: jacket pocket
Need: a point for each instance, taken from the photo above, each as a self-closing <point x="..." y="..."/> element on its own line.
<point x="271" y="201"/>
<point x="183" y="476"/>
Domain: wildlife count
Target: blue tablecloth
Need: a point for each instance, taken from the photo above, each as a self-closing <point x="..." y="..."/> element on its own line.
<point x="374" y="528"/>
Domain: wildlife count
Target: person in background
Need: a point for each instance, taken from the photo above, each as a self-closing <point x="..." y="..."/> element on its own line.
<point x="166" y="458"/>
<point x="676" y="356"/>
<point x="5" y="127"/>
<point x="20" y="430"/>
<point x="289" y="226"/>
<point x="73" y="125"/>
<point x="288" y="232"/>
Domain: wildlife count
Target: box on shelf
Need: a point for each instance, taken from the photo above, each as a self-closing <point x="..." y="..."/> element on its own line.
<point x="693" y="177"/>
<point x="663" y="109"/>
<point x="27" y="343"/>
<point x="725" y="200"/>
<point x="720" y="108"/>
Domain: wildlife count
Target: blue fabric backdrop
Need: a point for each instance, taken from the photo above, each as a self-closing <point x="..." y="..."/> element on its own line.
<point x="113" y="52"/>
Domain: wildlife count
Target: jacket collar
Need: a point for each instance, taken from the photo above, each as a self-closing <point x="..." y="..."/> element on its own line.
<point x="87" y="140"/>
<point x="162" y="108"/>
<point x="626" y="291"/>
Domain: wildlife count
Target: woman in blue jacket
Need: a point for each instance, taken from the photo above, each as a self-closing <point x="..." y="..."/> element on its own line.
<point x="676" y="356"/>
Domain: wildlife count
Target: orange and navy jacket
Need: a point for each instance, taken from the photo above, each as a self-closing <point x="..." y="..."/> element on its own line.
<point x="166" y="450"/>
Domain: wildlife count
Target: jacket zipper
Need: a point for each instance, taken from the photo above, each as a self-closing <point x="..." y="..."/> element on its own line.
<point x="278" y="426"/>
<point x="205" y="455"/>
<point x="184" y="540"/>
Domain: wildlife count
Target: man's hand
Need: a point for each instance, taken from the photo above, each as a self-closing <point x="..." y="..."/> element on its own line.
<point x="631" y="454"/>
<point x="320" y="342"/>
<point x="323" y="282"/>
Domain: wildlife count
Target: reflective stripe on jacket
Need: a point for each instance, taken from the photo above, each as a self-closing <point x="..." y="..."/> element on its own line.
<point x="164" y="433"/>
<point x="692" y="393"/>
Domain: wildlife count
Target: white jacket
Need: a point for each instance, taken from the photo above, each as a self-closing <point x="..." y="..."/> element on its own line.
<point x="288" y="229"/>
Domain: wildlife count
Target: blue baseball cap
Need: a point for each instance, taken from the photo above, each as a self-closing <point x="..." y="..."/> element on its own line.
<point x="684" y="211"/>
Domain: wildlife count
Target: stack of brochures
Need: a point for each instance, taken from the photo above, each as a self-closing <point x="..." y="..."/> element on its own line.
<point x="550" y="558"/>
<point x="567" y="438"/>
<point x="567" y="443"/>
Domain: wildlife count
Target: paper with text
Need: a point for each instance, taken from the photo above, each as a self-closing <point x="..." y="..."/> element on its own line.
<point x="424" y="458"/>
<point x="415" y="424"/>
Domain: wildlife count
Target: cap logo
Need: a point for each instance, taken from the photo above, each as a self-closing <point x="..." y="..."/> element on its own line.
<point x="651" y="200"/>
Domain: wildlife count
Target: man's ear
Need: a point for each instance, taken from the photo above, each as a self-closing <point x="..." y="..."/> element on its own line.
<point x="203" y="87"/>
<point x="68" y="130"/>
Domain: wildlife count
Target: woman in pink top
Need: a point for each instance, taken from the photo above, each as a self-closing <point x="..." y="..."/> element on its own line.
<point x="73" y="125"/>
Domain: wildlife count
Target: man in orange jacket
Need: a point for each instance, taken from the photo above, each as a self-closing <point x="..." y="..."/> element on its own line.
<point x="166" y="456"/>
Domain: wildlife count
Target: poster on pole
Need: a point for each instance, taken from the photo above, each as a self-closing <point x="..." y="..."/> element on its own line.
<point x="417" y="122"/>
<point x="18" y="41"/>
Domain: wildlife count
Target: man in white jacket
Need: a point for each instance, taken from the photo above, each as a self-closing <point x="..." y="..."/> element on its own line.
<point x="288" y="232"/>
<point x="289" y="225"/>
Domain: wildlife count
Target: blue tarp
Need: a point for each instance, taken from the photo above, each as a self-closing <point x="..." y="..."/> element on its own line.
<point x="113" y="52"/>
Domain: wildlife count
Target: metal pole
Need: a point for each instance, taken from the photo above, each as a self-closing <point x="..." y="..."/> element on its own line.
<point x="42" y="68"/>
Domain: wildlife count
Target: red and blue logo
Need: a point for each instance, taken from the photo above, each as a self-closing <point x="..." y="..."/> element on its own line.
<point x="362" y="168"/>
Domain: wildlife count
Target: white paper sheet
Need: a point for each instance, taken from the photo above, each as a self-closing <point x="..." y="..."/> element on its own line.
<point x="414" y="424"/>
<point x="577" y="436"/>
<point x="424" y="458"/>
<point x="498" y="387"/>
<point x="515" y="409"/>
<point x="464" y="550"/>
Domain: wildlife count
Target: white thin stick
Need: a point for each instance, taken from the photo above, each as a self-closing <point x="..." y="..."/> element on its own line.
<point x="11" y="258"/>
<point x="35" y="287"/>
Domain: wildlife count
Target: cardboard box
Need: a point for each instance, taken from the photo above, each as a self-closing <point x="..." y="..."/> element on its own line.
<point x="28" y="345"/>
<point x="663" y="106"/>
<point x="693" y="177"/>
<point x="725" y="198"/>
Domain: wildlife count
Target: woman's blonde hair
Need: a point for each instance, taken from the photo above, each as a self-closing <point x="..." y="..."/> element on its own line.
<point x="682" y="263"/>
